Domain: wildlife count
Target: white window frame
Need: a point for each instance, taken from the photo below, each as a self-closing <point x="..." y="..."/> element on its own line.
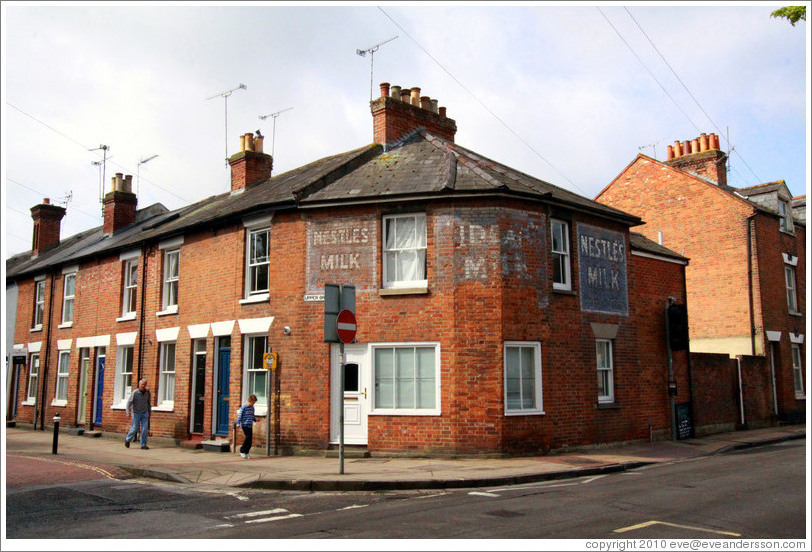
<point x="606" y="371"/>
<point x="169" y="295"/>
<point x="254" y="265"/>
<point x="253" y="366"/>
<point x="39" y="304"/>
<point x="785" y="215"/>
<point x="419" y="247"/>
<point x="402" y="411"/>
<point x="129" y="290"/>
<point x="124" y="374"/>
<point x="538" y="403"/>
<point x="798" y="371"/>
<point x="166" y="375"/>
<point x="68" y="299"/>
<point x="62" y="372"/>
<point x="792" y="290"/>
<point x="561" y="254"/>
<point x="33" y="379"/>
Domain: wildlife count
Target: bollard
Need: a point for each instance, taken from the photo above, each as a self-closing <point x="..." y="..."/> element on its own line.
<point x="57" y="419"/>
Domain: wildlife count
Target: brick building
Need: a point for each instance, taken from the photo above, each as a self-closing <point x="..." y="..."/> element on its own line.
<point x="746" y="281"/>
<point x="496" y="312"/>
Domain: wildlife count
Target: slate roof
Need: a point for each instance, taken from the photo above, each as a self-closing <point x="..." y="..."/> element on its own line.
<point x="421" y="166"/>
<point x="642" y="243"/>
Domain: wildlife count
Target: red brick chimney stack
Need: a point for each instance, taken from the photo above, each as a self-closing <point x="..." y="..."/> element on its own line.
<point x="250" y="166"/>
<point x="47" y="225"/>
<point x="400" y="111"/>
<point x="119" y="204"/>
<point x="701" y="156"/>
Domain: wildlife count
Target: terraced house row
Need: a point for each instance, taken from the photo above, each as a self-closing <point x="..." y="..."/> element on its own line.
<point x="497" y="313"/>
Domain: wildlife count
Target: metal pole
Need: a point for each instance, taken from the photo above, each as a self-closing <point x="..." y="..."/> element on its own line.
<point x="226" y="119"/>
<point x="341" y="409"/>
<point x="269" y="399"/>
<point x="56" y="433"/>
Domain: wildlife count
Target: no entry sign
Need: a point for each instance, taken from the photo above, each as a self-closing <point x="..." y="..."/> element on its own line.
<point x="346" y="326"/>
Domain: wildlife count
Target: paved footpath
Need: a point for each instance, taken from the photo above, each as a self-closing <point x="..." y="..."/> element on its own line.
<point x="165" y="460"/>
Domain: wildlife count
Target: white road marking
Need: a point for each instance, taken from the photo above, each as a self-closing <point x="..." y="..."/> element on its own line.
<point x="654" y="522"/>
<point x="477" y="493"/>
<point x="261" y="513"/>
<point x="353" y="507"/>
<point x="277" y="518"/>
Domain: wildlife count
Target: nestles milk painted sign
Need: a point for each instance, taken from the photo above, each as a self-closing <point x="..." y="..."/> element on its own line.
<point x="602" y="261"/>
<point x="341" y="250"/>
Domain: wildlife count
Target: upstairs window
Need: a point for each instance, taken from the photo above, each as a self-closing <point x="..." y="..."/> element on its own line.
<point x="792" y="294"/>
<point x="404" y="251"/>
<point x="786" y="216"/>
<point x="606" y="371"/>
<point x="129" y="287"/>
<point x="67" y="299"/>
<point x="170" y="279"/>
<point x="258" y="261"/>
<point x="39" y="304"/>
<point x="561" y="255"/>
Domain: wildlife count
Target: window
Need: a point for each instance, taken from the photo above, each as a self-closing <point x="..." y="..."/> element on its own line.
<point x="561" y="255"/>
<point x="62" y="376"/>
<point x="523" y="378"/>
<point x="33" y="378"/>
<point x="792" y="296"/>
<point x="258" y="261"/>
<point x="407" y="379"/>
<point x="786" y="216"/>
<point x="256" y="374"/>
<point x="166" y="384"/>
<point x="124" y="385"/>
<point x="170" y="288"/>
<point x="130" y="284"/>
<point x="404" y="251"/>
<point x="798" y="371"/>
<point x="606" y="384"/>
<point x="39" y="304"/>
<point x="67" y="299"/>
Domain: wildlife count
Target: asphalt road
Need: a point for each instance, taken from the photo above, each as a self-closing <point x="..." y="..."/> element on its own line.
<point x="756" y="493"/>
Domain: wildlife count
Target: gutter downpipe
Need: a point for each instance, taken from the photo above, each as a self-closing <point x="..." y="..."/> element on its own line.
<point x="750" y="283"/>
<point x="43" y="380"/>
<point x="143" y="316"/>
<point x="741" y="393"/>
<point x="670" y="373"/>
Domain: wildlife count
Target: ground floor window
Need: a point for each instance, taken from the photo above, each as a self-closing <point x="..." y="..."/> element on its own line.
<point x="62" y="376"/>
<point x="255" y="373"/>
<point x="522" y="372"/>
<point x="166" y="383"/>
<point x="406" y="379"/>
<point x="124" y="373"/>
<point x="798" y="371"/>
<point x="33" y="378"/>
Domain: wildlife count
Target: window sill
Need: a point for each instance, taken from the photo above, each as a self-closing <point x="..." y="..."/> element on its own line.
<point x="796" y="313"/>
<point x="36" y="329"/>
<point x="404" y="291"/>
<point x="126" y="317"/>
<point x="56" y="402"/>
<point x="565" y="291"/>
<point x="28" y="403"/>
<point x="800" y="397"/>
<point x="164" y="407"/>
<point x="65" y="325"/>
<point x="260" y="298"/>
<point x="427" y="412"/>
<point x="120" y="406"/>
<point x="169" y="310"/>
<point x="607" y="406"/>
<point x="525" y="413"/>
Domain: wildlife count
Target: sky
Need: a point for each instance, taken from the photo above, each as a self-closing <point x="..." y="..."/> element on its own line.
<point x="569" y="93"/>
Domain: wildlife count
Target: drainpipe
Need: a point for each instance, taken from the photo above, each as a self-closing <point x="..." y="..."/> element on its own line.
<point x="142" y="315"/>
<point x="750" y="284"/>
<point x="42" y="381"/>
<point x="741" y="393"/>
<point x="670" y="372"/>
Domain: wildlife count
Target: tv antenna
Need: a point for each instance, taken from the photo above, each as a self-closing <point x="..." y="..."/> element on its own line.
<point x="274" y="115"/>
<point x="138" y="174"/>
<point x="225" y="96"/>
<point x="652" y="146"/>
<point x="103" y="164"/>
<point x="371" y="51"/>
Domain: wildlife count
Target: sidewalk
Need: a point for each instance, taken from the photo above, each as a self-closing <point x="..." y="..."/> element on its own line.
<point x="316" y="473"/>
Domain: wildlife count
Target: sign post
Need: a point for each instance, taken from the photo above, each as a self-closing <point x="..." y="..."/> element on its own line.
<point x="340" y="327"/>
<point x="269" y="362"/>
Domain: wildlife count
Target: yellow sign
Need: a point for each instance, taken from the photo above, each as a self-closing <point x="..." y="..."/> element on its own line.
<point x="269" y="360"/>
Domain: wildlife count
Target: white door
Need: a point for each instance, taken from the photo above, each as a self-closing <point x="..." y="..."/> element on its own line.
<point x="355" y="401"/>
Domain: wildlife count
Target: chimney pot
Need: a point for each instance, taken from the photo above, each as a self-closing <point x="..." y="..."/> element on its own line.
<point x="395" y="92"/>
<point x="249" y="142"/>
<point x="384" y="89"/>
<point x="242" y="142"/>
<point x="415" y="100"/>
<point x="434" y="106"/>
<point x="670" y="150"/>
<point x="46" y="200"/>
<point x="258" y="140"/>
<point x="714" y="141"/>
<point x="677" y="148"/>
<point x="686" y="147"/>
<point x="405" y="94"/>
<point x="127" y="184"/>
<point x="695" y="146"/>
<point x="441" y="111"/>
<point x="703" y="142"/>
<point x="425" y="103"/>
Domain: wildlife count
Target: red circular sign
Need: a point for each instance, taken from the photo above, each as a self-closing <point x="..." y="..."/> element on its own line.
<point x="346" y="326"/>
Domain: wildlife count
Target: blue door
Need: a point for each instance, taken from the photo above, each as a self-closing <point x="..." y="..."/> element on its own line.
<point x="99" y="389"/>
<point x="223" y="374"/>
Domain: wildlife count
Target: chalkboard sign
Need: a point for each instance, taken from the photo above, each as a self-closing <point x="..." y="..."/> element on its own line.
<point x="685" y="422"/>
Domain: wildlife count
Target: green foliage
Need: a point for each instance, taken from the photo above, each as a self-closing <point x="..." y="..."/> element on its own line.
<point x="793" y="13"/>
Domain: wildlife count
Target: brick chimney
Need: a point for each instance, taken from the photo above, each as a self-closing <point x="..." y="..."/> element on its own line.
<point x="47" y="225"/>
<point x="119" y="204"/>
<point x="250" y="165"/>
<point x="400" y="111"/>
<point x="701" y="156"/>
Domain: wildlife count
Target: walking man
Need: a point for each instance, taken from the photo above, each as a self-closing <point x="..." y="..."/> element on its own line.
<point x="138" y="406"/>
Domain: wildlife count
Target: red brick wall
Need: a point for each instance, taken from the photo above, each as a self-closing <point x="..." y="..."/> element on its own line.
<point x="393" y="119"/>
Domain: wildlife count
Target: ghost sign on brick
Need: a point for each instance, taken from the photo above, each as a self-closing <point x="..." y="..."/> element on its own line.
<point x="602" y="261"/>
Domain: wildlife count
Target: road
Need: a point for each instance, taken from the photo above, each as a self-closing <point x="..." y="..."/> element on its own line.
<point x="755" y="493"/>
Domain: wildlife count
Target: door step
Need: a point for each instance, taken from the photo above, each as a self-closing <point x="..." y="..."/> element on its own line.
<point x="93" y="434"/>
<point x="76" y="431"/>
<point x="350" y="451"/>
<point x="216" y="446"/>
